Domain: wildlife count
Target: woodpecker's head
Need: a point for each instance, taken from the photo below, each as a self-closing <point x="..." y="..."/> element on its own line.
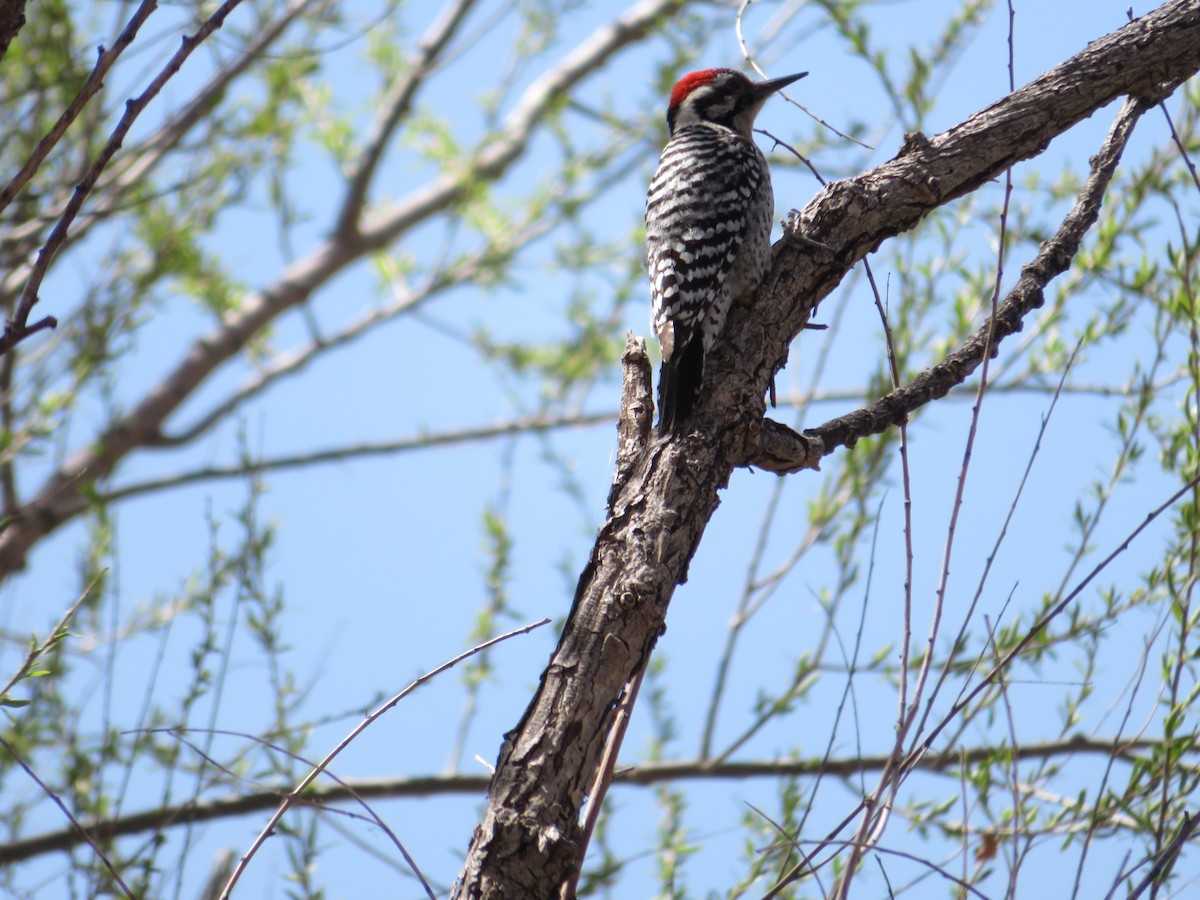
<point x="722" y="96"/>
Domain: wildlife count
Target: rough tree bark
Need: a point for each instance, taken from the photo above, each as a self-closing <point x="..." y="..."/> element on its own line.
<point x="12" y="20"/>
<point x="530" y="841"/>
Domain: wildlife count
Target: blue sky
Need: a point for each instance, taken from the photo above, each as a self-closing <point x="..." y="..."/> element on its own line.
<point x="380" y="561"/>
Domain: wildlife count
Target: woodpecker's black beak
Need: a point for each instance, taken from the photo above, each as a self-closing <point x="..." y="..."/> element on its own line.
<point x="764" y="89"/>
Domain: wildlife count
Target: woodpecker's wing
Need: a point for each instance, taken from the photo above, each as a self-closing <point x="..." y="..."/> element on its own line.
<point x="696" y="220"/>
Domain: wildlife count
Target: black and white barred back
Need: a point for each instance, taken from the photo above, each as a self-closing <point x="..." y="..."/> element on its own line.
<point x="708" y="225"/>
<point x="708" y="228"/>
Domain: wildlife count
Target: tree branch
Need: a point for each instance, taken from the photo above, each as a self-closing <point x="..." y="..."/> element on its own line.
<point x="395" y="106"/>
<point x="1053" y="258"/>
<point x="530" y="837"/>
<point x="857" y="214"/>
<point x="645" y="775"/>
<point x="58" y="500"/>
<point x="91" y="87"/>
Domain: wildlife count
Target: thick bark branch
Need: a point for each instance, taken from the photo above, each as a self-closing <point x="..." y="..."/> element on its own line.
<point x="790" y="452"/>
<point x="529" y="839"/>
<point x="1148" y="58"/>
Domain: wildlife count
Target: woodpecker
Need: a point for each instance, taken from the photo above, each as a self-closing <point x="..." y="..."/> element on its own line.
<point x="708" y="225"/>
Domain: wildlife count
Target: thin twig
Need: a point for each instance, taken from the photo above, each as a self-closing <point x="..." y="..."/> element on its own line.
<point x="396" y="106"/>
<point x="1167" y="856"/>
<point x="133" y="108"/>
<point x="312" y="776"/>
<point x="915" y="757"/>
<point x="104" y="62"/>
<point x="604" y="775"/>
<point x="1045" y="620"/>
<point x="57" y="634"/>
<point x="877" y="816"/>
<point x="749" y="57"/>
<point x="76" y="825"/>
<point x="968" y="615"/>
<point x="346" y="787"/>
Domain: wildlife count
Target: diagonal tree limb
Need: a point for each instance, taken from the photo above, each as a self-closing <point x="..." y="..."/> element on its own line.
<point x="58" y="500"/>
<point x="530" y="835"/>
<point x="104" y="62"/>
<point x="18" y="329"/>
<point x="137" y="163"/>
<point x="790" y="452"/>
<point x="856" y="214"/>
<point x="395" y="108"/>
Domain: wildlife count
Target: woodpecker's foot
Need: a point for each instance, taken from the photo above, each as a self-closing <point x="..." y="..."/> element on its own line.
<point x="792" y="229"/>
<point x="816" y="245"/>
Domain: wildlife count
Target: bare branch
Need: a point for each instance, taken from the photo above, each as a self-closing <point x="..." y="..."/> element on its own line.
<point x="306" y="782"/>
<point x="526" y="425"/>
<point x="854" y="215"/>
<point x="395" y="106"/>
<point x="17" y="330"/>
<point x="644" y="775"/>
<point x="529" y="839"/>
<point x="90" y="88"/>
<point x="1053" y="259"/>
<point x="136" y="167"/>
<point x="57" y="500"/>
<point x="1166" y="859"/>
<point x="133" y="167"/>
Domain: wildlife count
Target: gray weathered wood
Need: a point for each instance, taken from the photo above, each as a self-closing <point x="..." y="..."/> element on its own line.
<point x="527" y="845"/>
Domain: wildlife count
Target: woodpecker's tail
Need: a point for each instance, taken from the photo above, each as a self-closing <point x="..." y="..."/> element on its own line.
<point x="678" y="384"/>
